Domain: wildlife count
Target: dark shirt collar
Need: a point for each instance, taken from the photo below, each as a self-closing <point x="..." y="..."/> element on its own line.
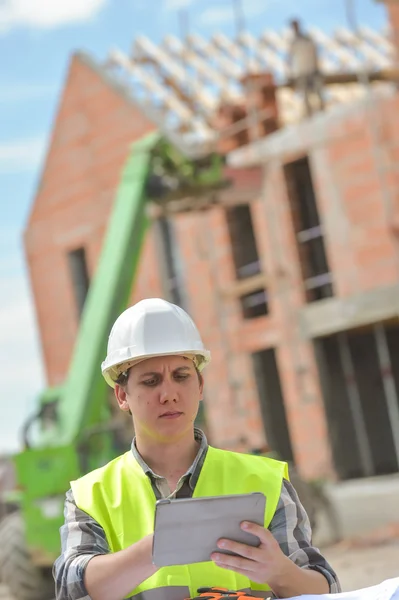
<point x="193" y="471"/>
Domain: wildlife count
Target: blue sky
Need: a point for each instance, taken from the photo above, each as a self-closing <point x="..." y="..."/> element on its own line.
<point x="36" y="40"/>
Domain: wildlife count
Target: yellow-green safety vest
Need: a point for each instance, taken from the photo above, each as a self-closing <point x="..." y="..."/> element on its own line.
<point x="119" y="496"/>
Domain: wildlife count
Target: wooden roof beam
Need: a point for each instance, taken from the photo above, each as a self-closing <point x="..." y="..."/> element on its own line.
<point x="144" y="48"/>
<point x="236" y="52"/>
<point x="344" y="56"/>
<point x="370" y="53"/>
<point x="207" y="72"/>
<point x="378" y="40"/>
<point x="211" y="52"/>
<point x="184" y="114"/>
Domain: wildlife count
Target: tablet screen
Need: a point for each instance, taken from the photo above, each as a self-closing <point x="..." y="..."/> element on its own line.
<point x="187" y="530"/>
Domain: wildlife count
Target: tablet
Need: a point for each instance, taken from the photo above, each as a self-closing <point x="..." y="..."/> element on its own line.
<point x="186" y="530"/>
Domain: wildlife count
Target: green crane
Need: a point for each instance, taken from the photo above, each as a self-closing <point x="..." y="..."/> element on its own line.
<point x="73" y="423"/>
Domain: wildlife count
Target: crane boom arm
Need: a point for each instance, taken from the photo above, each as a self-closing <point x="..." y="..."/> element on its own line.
<point x="80" y="437"/>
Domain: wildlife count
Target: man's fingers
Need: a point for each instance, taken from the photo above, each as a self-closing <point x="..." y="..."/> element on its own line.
<point x="244" y="572"/>
<point x="263" y="534"/>
<point x="236" y="563"/>
<point x="250" y="552"/>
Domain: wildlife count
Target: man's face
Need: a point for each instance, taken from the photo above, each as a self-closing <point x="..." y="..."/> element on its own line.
<point x="163" y="395"/>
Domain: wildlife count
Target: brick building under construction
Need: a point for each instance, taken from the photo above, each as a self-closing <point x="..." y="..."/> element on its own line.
<point x="292" y="273"/>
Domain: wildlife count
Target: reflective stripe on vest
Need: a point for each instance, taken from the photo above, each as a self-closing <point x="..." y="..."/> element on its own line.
<point x="178" y="593"/>
<point x="164" y="593"/>
<point x="120" y="498"/>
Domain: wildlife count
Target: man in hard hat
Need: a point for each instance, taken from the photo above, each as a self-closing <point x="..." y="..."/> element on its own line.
<point x="304" y="68"/>
<point x="154" y="363"/>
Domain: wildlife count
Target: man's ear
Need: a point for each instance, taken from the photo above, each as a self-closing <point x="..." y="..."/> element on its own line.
<point x="121" y="397"/>
<point x="201" y="385"/>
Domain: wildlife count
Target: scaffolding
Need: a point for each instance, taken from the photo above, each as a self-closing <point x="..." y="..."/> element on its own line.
<point x="183" y="82"/>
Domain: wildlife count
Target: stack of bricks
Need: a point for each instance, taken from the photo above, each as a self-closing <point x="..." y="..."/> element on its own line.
<point x="227" y="116"/>
<point x="260" y="109"/>
<point x="260" y="94"/>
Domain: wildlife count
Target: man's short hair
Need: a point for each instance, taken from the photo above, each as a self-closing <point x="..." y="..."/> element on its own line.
<point x="295" y="24"/>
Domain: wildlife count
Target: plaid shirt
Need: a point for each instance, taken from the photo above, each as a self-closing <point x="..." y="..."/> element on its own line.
<point x="82" y="537"/>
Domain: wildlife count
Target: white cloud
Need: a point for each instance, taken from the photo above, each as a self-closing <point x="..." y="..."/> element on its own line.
<point x="17" y="156"/>
<point x="177" y="4"/>
<point x="47" y="14"/>
<point x="25" y="92"/>
<point x="216" y="15"/>
<point x="21" y="372"/>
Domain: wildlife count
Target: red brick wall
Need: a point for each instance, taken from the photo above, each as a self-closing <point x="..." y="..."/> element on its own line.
<point x="356" y="180"/>
<point x="393" y="13"/>
<point x="295" y="359"/>
<point x="357" y="184"/>
<point x="231" y="401"/>
<point x="232" y="405"/>
<point x="92" y="133"/>
<point x="354" y="168"/>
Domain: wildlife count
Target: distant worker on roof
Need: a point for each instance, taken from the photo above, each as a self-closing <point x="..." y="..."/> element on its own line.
<point x="304" y="69"/>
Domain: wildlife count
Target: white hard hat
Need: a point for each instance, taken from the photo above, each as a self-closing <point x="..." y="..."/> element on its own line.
<point x="152" y="327"/>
